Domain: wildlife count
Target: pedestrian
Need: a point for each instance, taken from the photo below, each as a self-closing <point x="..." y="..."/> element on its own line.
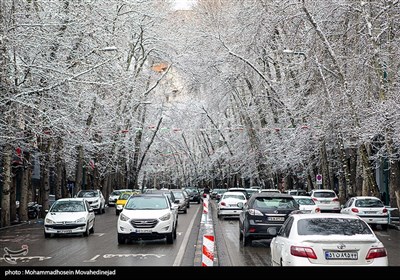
<point x="206" y="191"/>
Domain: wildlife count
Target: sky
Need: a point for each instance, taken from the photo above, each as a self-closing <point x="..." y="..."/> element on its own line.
<point x="183" y="4"/>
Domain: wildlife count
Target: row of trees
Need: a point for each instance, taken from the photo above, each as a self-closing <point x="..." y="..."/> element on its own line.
<point x="114" y="94"/>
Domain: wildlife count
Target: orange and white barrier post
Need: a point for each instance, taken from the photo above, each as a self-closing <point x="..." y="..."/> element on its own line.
<point x="207" y="258"/>
<point x="204" y="218"/>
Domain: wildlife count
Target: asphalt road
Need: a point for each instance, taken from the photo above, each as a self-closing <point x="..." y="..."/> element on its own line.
<point x="100" y="249"/>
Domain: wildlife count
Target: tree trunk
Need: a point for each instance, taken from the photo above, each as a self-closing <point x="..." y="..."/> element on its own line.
<point x="5" y="201"/>
<point x="45" y="178"/>
<point x="59" y="168"/>
<point x="371" y="187"/>
<point x="79" y="171"/>
<point x="324" y="166"/>
<point x="25" y="183"/>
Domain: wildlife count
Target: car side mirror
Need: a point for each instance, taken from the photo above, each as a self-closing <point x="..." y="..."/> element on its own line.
<point x="91" y="209"/>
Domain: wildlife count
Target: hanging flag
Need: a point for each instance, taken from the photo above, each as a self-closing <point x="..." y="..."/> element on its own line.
<point x="91" y="163"/>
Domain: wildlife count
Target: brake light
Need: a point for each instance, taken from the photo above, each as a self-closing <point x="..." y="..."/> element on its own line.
<point x="335" y="199"/>
<point x="314" y="199"/>
<point x="355" y="210"/>
<point x="223" y="203"/>
<point x="304" y="252"/>
<point x="317" y="210"/>
<point x="384" y="210"/>
<point x="376" y="253"/>
<point x="255" y="212"/>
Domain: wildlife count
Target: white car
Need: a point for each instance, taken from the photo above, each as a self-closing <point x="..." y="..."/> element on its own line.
<point x="327" y="200"/>
<point x="95" y="199"/>
<point x="231" y="204"/>
<point x="69" y="216"/>
<point x="147" y="216"/>
<point x="370" y="208"/>
<point x="327" y="239"/>
<point x="306" y="204"/>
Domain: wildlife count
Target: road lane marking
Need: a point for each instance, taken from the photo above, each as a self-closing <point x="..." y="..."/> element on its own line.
<point x="182" y="249"/>
<point x="92" y="259"/>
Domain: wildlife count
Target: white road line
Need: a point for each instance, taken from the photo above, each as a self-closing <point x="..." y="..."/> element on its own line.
<point x="179" y="256"/>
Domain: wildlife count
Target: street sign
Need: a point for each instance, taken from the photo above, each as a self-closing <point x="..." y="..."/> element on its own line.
<point x="318" y="179"/>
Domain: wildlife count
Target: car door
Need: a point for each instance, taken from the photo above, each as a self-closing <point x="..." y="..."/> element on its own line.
<point x="281" y="242"/>
<point x="347" y="206"/>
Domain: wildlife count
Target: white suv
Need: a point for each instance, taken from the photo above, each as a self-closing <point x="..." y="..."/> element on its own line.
<point x="95" y="199"/>
<point x="148" y="216"/>
<point x="326" y="200"/>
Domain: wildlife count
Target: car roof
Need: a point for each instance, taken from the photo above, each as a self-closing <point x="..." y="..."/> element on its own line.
<point x="324" y="215"/>
<point x="235" y="193"/>
<point x="302" y="196"/>
<point x="323" y="190"/>
<point x="272" y="194"/>
<point x="159" y="194"/>
<point x="366" y="197"/>
<point x="270" y="190"/>
<point x="71" y="199"/>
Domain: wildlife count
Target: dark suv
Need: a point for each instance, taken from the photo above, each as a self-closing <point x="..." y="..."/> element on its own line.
<point x="263" y="215"/>
<point x="194" y="195"/>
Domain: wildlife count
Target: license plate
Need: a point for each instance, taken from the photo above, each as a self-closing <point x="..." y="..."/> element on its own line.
<point x="325" y="202"/>
<point x="336" y="255"/>
<point x="143" y="230"/>
<point x="276" y="219"/>
<point x="369" y="212"/>
<point x="65" y="231"/>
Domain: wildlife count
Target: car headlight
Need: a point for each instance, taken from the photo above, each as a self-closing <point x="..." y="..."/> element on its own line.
<point x="166" y="217"/>
<point x="81" y="220"/>
<point x="48" y="221"/>
<point x="123" y="218"/>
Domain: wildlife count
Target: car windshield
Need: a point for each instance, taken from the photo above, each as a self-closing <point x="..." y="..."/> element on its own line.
<point x="329" y="226"/>
<point x="305" y="201"/>
<point x="324" y="194"/>
<point x="116" y="193"/>
<point x="146" y="203"/>
<point x="369" y="203"/>
<point x="67" y="206"/>
<point x="234" y="196"/>
<point x="124" y="196"/>
<point x="178" y="194"/>
<point x="87" y="194"/>
<point x="274" y="203"/>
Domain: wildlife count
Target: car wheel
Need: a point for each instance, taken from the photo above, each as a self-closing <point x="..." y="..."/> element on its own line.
<point x="47" y="235"/>
<point x="121" y="239"/>
<point x="185" y="211"/>
<point x="198" y="201"/>
<point x="246" y="240"/>
<point x="170" y="238"/>
<point x="116" y="212"/>
<point x="104" y="209"/>
<point x="175" y="233"/>
<point x="87" y="231"/>
<point x="188" y="205"/>
<point x="92" y="229"/>
<point x="240" y="235"/>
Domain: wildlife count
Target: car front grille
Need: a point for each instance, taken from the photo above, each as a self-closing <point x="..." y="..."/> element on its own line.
<point x="144" y="223"/>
